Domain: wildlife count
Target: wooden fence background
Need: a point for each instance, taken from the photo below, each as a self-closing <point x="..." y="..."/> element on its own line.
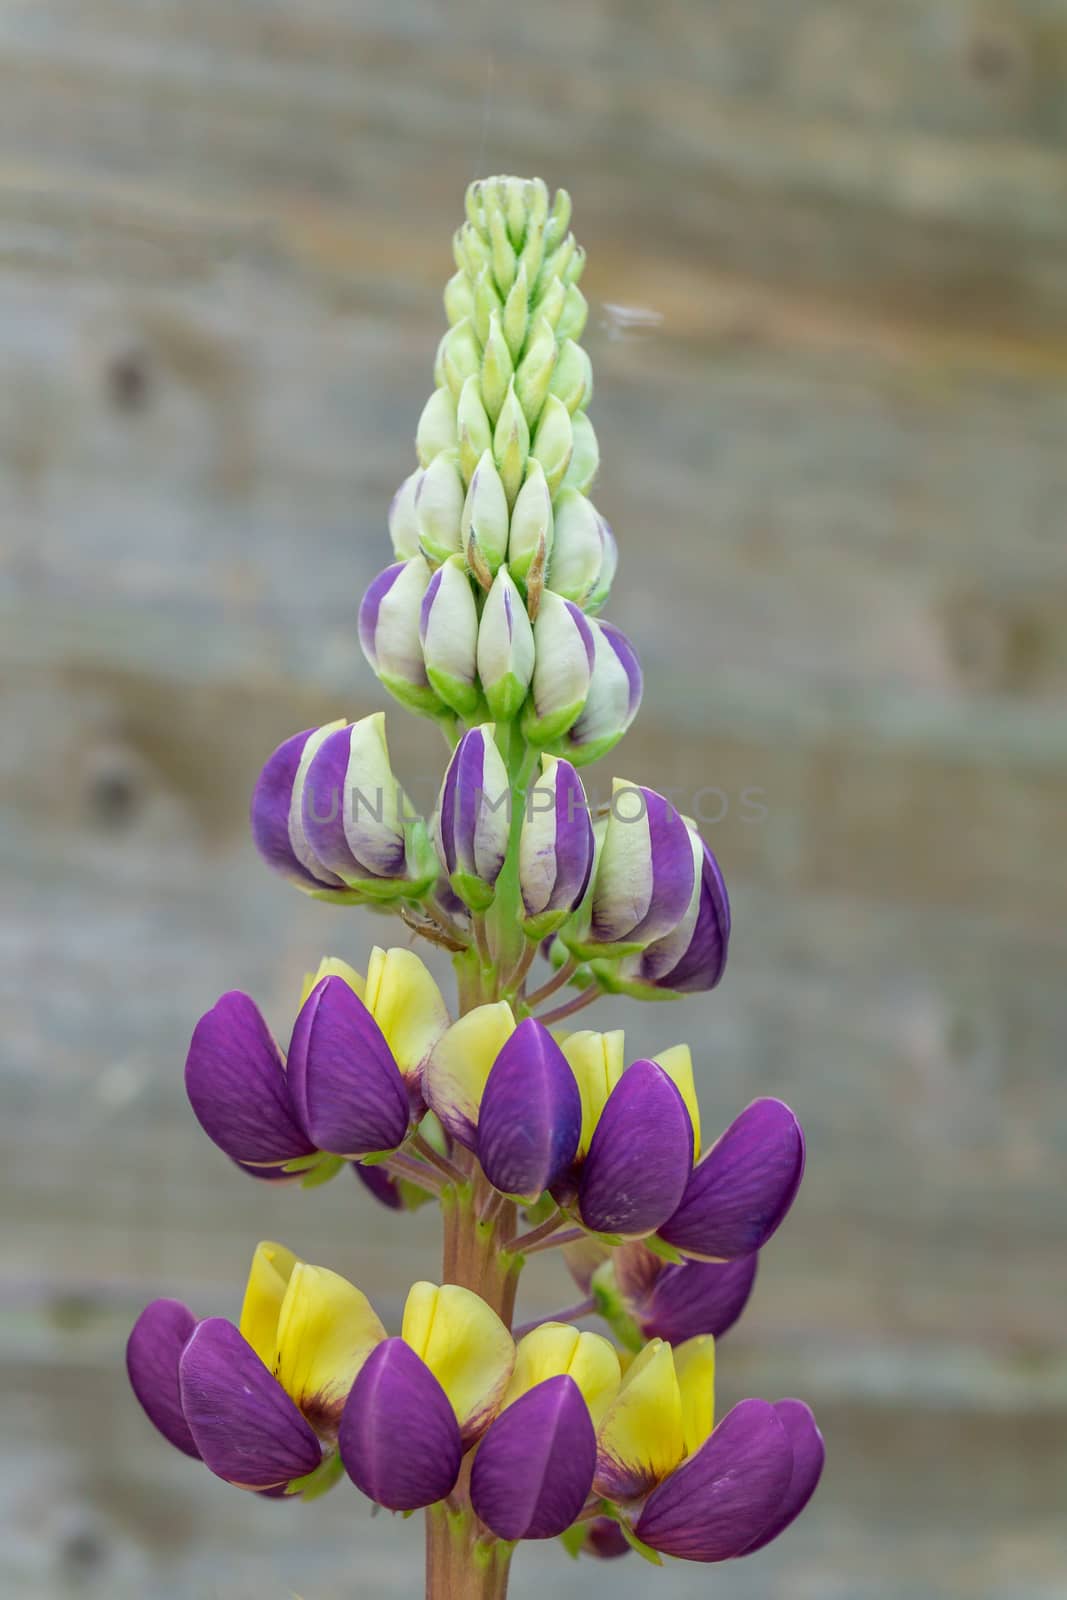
<point x="835" y="450"/>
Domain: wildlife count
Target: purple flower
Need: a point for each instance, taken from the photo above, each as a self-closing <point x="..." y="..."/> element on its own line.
<point x="531" y="1114"/>
<point x="692" y="957"/>
<point x="613" y="700"/>
<point x="640" y="1157"/>
<point x="448" y="629"/>
<point x="343" y="1079"/>
<point x="389" y="633"/>
<point x="555" y="848"/>
<point x="741" y="1190"/>
<point x="153" y="1351"/>
<point x="534" y="1468"/>
<point x="473" y="817"/>
<point x="277" y="819"/>
<point x="643" y="880"/>
<point x="237" y="1086"/>
<point x="399" y="1439"/>
<point x="750" y="1479"/>
<point x="680" y="1302"/>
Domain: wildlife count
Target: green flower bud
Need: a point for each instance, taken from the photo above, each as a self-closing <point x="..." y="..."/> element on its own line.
<point x="448" y="630"/>
<point x="551" y="298"/>
<point x="554" y="441"/>
<point x="437" y="426"/>
<point x="497" y="368"/>
<point x="531" y="522"/>
<point x="486" y="301"/>
<point x="471" y="251"/>
<point x="511" y="444"/>
<point x="585" y="460"/>
<point x="403" y="522"/>
<point x="564" y="651"/>
<point x="516" y="203"/>
<point x="473" y="204"/>
<point x="516" y="310"/>
<point x="576" y="266"/>
<point x="459" y="298"/>
<point x="559" y="221"/>
<point x="572" y="380"/>
<point x="458" y="355"/>
<point x="504" y="263"/>
<point x="534" y="372"/>
<point x="558" y="263"/>
<point x="474" y="427"/>
<point x="484" y="523"/>
<point x="574" y="315"/>
<point x="505" y="648"/>
<point x="439" y="507"/>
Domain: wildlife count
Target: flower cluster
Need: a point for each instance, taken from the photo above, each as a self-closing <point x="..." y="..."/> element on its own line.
<point x="529" y="1133"/>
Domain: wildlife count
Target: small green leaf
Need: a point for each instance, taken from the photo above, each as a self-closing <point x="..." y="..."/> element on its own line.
<point x="327" y="1169"/>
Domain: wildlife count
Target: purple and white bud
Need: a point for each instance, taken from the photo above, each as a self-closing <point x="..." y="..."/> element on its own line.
<point x="555" y="848"/>
<point x="357" y="820"/>
<point x="582" y="548"/>
<point x="484" y="522"/>
<point x="505" y="654"/>
<point x="473" y="817"/>
<point x="563" y="669"/>
<point x="448" y="630"/>
<point x="692" y="957"/>
<point x="531" y="535"/>
<point x="643" y="880"/>
<point x="614" y="697"/>
<point x="389" y="634"/>
<point x="277" y="819"/>
<point x="439" y="507"/>
<point x="403" y="522"/>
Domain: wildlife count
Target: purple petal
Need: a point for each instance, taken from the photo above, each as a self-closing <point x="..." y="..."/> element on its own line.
<point x="153" y="1351"/>
<point x="673" y="870"/>
<point x="345" y="1085"/>
<point x="606" y="1540"/>
<point x="696" y="1298"/>
<point x="534" y="1468"/>
<point x="640" y="1156"/>
<point x="399" y="1439"/>
<point x="809" y="1454"/>
<point x="628" y="657"/>
<point x="585" y="632"/>
<point x="531" y="1114"/>
<point x="370" y="606"/>
<point x="427" y="603"/>
<point x="716" y="1504"/>
<point x="237" y="1087"/>
<point x="272" y="801"/>
<point x="741" y="1190"/>
<point x="575" y="848"/>
<point x="243" y="1423"/>
<point x="701" y="964"/>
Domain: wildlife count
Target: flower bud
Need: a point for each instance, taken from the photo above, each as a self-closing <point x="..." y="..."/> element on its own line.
<point x="475" y="430"/>
<point x="692" y="957"/>
<point x="486" y="302"/>
<point x="534" y="1468"/>
<point x="448" y="629"/>
<point x="534" y="372"/>
<point x="640" y="1158"/>
<point x="403" y="523"/>
<point x="497" y="369"/>
<point x="389" y="634"/>
<point x="613" y="699"/>
<point x="516" y="309"/>
<point x="559" y="220"/>
<point x="505" y="648"/>
<point x="549" y="301"/>
<point x="530" y="1116"/>
<point x="533" y="251"/>
<point x="473" y="817"/>
<point x="236" y="1083"/>
<point x="572" y="379"/>
<point x="554" y="441"/>
<point x="565" y="649"/>
<point x="344" y="1082"/>
<point x="399" y="1439"/>
<point x="459" y="298"/>
<point x="277" y="821"/>
<point x="459" y="355"/>
<point x="439" y="507"/>
<point x="555" y="848"/>
<point x="532" y="523"/>
<point x="643" y="879"/>
<point x="511" y="444"/>
<point x="357" y="819"/>
<point x="585" y="457"/>
<point x="437" y="425"/>
<point x="679" y="1301"/>
<point x="503" y="252"/>
<point x="582" y="547"/>
<point x="470" y="250"/>
<point x="484" y="524"/>
<point x="574" y="315"/>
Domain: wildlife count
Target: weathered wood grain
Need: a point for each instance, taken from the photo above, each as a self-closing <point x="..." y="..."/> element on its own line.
<point x="836" y="467"/>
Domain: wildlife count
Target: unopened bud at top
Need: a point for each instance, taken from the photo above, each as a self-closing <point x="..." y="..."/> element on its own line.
<point x="484" y="524"/>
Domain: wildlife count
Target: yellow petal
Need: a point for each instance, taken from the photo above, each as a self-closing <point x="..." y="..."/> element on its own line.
<point x="597" y="1061"/>
<point x="326" y="1330"/>
<point x="407" y="1005"/>
<point x="466" y="1347"/>
<point x="556" y="1349"/>
<point x="268" y="1279"/>
<point x="641" y="1438"/>
<point x="333" y="967"/>
<point x="677" y="1063"/>
<point x="460" y="1062"/>
<point x="694" y="1363"/>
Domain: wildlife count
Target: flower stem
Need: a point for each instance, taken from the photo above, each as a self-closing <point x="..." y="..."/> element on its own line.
<point x="579" y="1003"/>
<point x="526" y="1241"/>
<point x="419" y="1143"/>
<point x="584" y="1308"/>
<point x="564" y="975"/>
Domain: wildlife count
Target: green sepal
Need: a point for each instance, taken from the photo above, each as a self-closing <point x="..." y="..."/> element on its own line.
<point x="472" y="891"/>
<point x="320" y="1480"/>
<point x="303" y="1163"/>
<point x="417" y="697"/>
<point x="506" y="698"/>
<point x="666" y="1252"/>
<point x="607" y="976"/>
<point x="573" y="1540"/>
<point x="462" y="697"/>
<point x="544" y="731"/>
<point x="609" y="1305"/>
<point x="644" y="1550"/>
<point x="539" y="927"/>
<point x="328" y="1168"/>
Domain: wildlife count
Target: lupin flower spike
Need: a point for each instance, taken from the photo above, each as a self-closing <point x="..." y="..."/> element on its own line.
<point x="529" y="1137"/>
